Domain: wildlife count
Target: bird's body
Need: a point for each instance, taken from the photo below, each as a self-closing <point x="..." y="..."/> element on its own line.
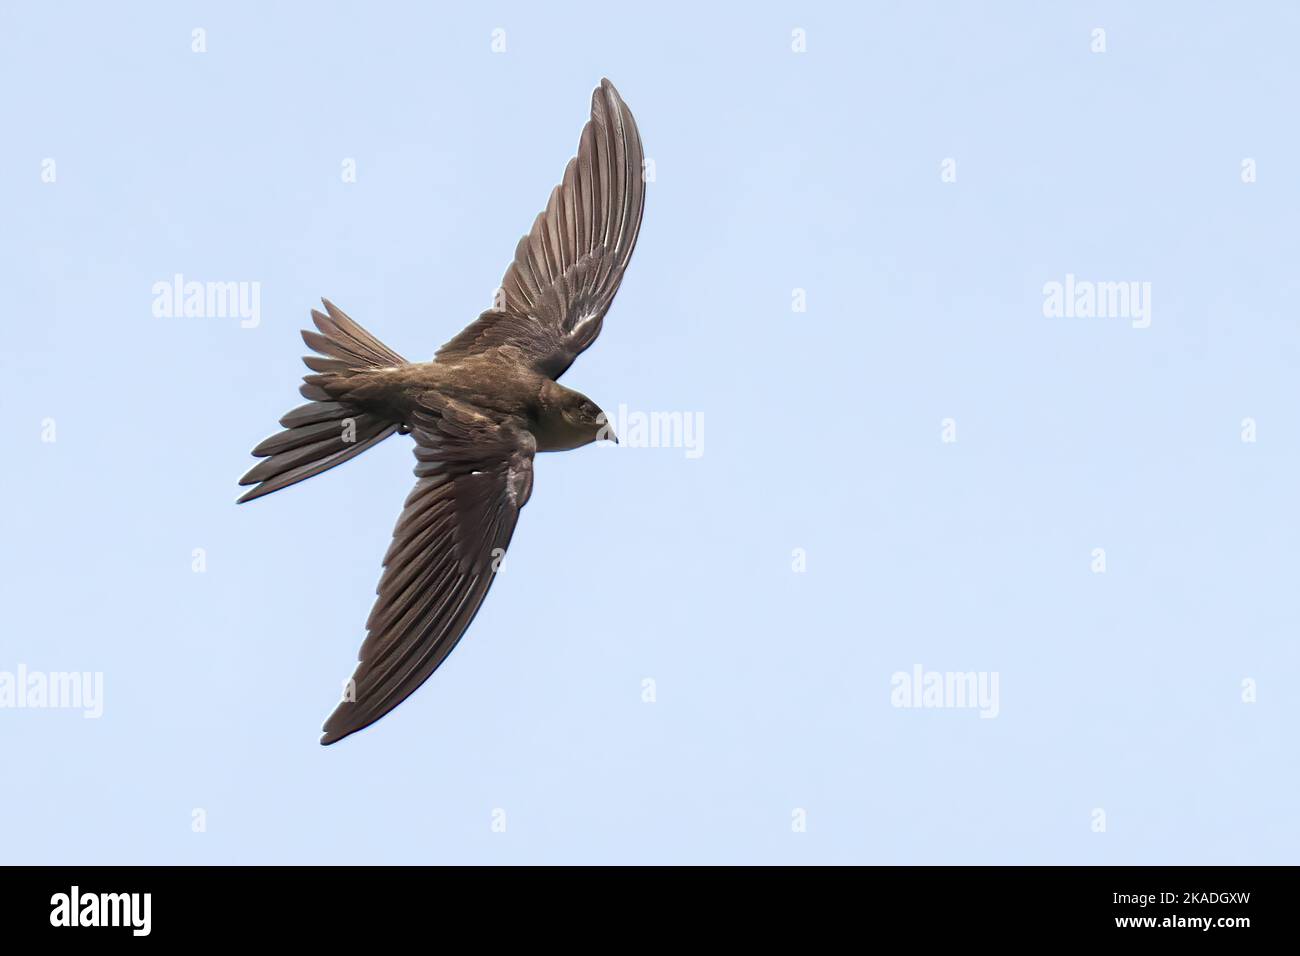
<point x="493" y="384"/>
<point x="479" y="412"/>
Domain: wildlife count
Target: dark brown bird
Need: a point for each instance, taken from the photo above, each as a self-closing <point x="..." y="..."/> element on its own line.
<point x="478" y="412"/>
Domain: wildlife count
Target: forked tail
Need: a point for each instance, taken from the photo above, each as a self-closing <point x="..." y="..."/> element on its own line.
<point x="324" y="432"/>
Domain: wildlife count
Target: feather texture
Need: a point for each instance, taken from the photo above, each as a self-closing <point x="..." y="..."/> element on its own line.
<point x="568" y="267"/>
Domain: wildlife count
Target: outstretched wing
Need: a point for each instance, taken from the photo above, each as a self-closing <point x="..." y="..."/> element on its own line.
<point x="474" y="474"/>
<point x="567" y="269"/>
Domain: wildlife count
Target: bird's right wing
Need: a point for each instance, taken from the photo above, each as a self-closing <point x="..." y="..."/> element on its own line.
<point x="568" y="267"/>
<point x="474" y="474"/>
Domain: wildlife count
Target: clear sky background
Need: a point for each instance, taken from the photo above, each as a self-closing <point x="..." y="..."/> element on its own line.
<point x="1119" y="691"/>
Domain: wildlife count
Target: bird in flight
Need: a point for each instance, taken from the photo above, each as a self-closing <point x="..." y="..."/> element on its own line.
<point x="479" y="412"/>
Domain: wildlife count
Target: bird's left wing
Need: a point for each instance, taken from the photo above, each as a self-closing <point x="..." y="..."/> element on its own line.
<point x="474" y="474"/>
<point x="566" y="270"/>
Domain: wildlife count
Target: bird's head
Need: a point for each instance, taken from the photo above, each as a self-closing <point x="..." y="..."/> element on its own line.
<point x="583" y="420"/>
<point x="586" y="417"/>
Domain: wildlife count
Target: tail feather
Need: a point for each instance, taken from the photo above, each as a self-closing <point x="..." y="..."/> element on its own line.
<point x="295" y="441"/>
<point x="314" y="412"/>
<point x="296" y="474"/>
<point x="325" y="432"/>
<point x="345" y="339"/>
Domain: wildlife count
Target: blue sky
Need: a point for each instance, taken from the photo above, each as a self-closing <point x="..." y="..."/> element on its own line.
<point x="1160" y="692"/>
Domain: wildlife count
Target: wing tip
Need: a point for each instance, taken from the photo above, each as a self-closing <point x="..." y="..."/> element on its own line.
<point x="606" y="94"/>
<point x="337" y="726"/>
<point x="257" y="491"/>
<point x="332" y="733"/>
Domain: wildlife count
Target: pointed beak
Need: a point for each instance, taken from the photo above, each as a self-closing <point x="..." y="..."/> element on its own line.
<point x="606" y="429"/>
